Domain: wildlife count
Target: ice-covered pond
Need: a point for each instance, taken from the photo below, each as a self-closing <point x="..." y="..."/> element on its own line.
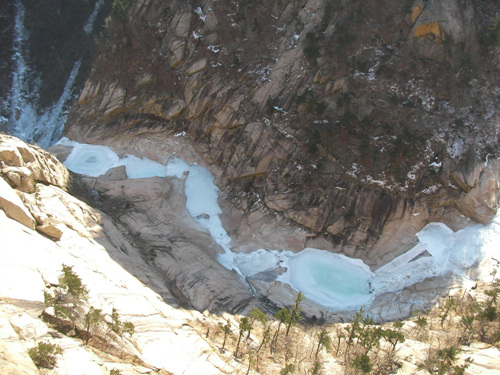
<point x="332" y="280"/>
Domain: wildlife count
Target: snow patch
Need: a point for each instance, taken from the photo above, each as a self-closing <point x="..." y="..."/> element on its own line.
<point x="199" y="12"/>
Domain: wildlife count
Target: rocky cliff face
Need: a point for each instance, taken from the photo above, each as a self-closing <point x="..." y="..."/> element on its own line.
<point x="346" y="125"/>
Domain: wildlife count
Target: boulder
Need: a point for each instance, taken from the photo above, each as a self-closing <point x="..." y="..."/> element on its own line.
<point x="21" y="177"/>
<point x="24" y="164"/>
<point x="115" y="174"/>
<point x="13" y="206"/>
<point x="50" y="230"/>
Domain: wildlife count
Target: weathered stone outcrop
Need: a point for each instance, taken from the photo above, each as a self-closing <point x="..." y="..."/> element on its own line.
<point x="445" y="30"/>
<point x="353" y="123"/>
<point x="25" y="165"/>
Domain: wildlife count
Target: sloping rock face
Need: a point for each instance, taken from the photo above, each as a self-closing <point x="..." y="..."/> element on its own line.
<point x="155" y="286"/>
<point x="348" y="125"/>
<point x="151" y="214"/>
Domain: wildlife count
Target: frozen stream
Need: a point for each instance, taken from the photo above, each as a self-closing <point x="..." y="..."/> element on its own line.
<point x="332" y="280"/>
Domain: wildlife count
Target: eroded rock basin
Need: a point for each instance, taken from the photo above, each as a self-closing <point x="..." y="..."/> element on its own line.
<point x="335" y="285"/>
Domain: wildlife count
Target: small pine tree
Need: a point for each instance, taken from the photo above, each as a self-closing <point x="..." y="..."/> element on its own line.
<point x="69" y="296"/>
<point x="92" y="319"/>
<point x="252" y="360"/>
<point x="340" y="336"/>
<point x="244" y="327"/>
<point x="369" y="334"/>
<point x="442" y="361"/>
<point x="226" y="328"/>
<point x="288" y="369"/>
<point x="116" y="324"/>
<point x="353" y="328"/>
<point x="119" y="327"/>
<point x="323" y="342"/>
<point x="393" y="337"/>
<point x="362" y="362"/>
<point x="44" y="354"/>
<point x="398" y="325"/>
<point x="265" y="338"/>
<point x="315" y="370"/>
<point x="283" y="316"/>
<point x="119" y="7"/>
<point x="256" y="315"/>
<point x="295" y="311"/>
<point x="128" y="328"/>
<point x="72" y="284"/>
<point x="421" y="321"/>
<point x="450" y="304"/>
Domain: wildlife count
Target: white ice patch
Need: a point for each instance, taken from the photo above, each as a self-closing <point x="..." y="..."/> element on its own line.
<point x="257" y="261"/>
<point x="201" y="200"/>
<point x="437" y="239"/>
<point x="91" y="160"/>
<point x="199" y="12"/>
<point x="89" y="25"/>
<point x="142" y="168"/>
<point x="332" y="280"/>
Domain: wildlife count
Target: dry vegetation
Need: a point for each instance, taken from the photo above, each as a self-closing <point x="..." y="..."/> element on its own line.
<point x="434" y="342"/>
<point x="439" y="341"/>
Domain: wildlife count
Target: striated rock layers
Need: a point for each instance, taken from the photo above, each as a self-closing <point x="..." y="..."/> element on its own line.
<point x="348" y="125"/>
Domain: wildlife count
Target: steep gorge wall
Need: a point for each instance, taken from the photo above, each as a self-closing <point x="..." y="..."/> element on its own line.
<point x="346" y="125"/>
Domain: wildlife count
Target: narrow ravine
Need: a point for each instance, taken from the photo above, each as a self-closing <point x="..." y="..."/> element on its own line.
<point x="334" y="281"/>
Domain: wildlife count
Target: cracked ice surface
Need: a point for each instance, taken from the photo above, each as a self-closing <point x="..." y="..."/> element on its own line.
<point x="332" y="280"/>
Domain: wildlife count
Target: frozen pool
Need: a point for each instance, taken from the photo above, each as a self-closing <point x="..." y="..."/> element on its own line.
<point x="332" y="280"/>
